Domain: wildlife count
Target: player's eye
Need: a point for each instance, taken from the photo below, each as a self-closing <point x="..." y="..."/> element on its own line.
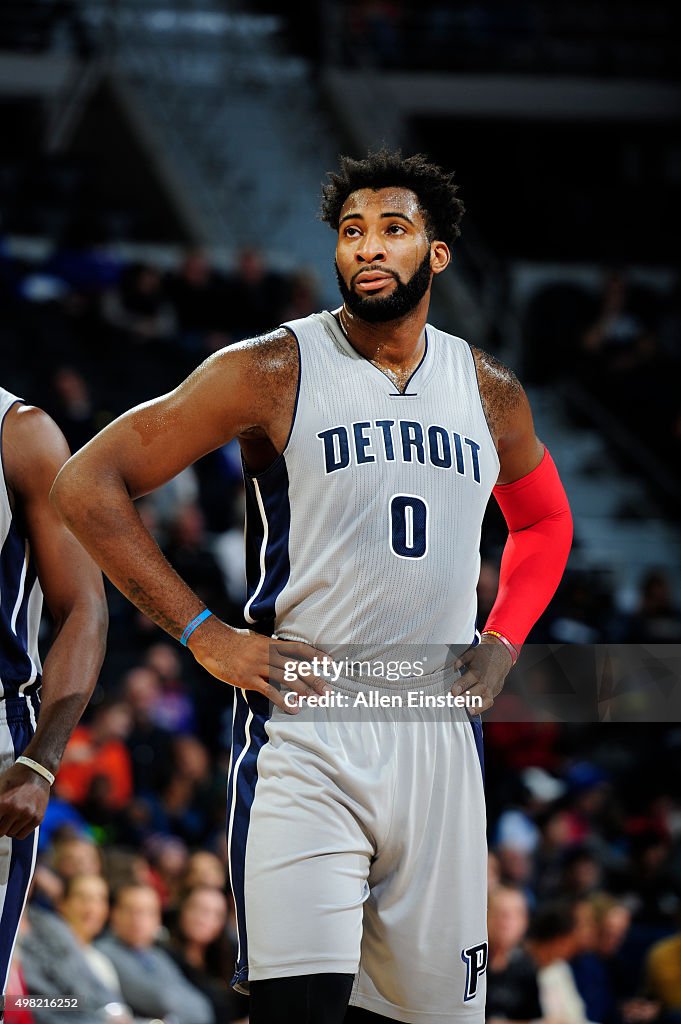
<point x="351" y="232"/>
<point x="396" y="229"/>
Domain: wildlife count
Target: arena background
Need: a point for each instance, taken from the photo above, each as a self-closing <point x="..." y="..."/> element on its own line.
<point x="160" y="165"/>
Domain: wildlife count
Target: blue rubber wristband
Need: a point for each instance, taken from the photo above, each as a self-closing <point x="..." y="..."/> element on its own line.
<point x="194" y="624"/>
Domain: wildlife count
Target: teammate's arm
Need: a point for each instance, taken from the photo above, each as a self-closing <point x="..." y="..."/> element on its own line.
<point x="34" y="450"/>
<point x="534" y="504"/>
<point x="238" y="392"/>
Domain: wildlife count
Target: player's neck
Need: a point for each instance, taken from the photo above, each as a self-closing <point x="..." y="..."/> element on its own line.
<point x="396" y="344"/>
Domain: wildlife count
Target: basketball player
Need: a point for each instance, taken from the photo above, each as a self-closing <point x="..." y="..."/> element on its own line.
<point x="371" y="443"/>
<point x="39" y="708"/>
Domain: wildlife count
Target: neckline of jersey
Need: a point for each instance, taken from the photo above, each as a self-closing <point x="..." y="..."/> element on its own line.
<point x="422" y="370"/>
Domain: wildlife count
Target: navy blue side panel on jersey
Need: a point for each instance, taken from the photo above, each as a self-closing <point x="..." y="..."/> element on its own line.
<point x="252" y="710"/>
<point x="15" y="664"/>
<point x="15" y="733"/>
<point x="268" y="525"/>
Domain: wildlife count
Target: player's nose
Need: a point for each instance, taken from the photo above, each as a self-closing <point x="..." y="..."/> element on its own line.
<point x="371" y="250"/>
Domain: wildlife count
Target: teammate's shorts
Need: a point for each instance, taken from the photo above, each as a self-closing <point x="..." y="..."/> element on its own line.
<point x="357" y="846"/>
<point x="17" y="856"/>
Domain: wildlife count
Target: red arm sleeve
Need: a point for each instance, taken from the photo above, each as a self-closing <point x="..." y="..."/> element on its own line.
<point x="539" y="523"/>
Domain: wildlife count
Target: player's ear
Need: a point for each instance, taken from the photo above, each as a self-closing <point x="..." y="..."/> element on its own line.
<point x="439" y="257"/>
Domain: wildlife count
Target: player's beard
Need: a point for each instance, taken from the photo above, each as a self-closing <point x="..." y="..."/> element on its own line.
<point x="402" y="299"/>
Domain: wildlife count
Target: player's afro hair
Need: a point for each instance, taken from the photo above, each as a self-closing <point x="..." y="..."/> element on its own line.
<point x="435" y="189"/>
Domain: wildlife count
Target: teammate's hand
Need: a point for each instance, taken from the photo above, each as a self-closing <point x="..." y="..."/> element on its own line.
<point x="251" y="661"/>
<point x="23" y="801"/>
<point x="484" y="671"/>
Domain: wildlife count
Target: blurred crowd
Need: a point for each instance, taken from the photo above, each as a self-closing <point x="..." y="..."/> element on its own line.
<point x="526" y="35"/>
<point x="131" y="939"/>
<point x="623" y="344"/>
<point x="130" y="911"/>
<point x="584" y="873"/>
<point x="92" y="334"/>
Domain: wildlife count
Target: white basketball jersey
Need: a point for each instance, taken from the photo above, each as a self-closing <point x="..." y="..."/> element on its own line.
<point x="366" y="529"/>
<point x="21" y="598"/>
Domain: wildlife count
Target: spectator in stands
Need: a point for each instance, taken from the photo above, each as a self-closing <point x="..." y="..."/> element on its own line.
<point x="556" y="836"/>
<point x="582" y="873"/>
<point x="652" y="879"/>
<point x="174" y="709"/>
<point x="151" y="983"/>
<point x="624" y="362"/>
<point x="663" y="976"/>
<point x="303" y="298"/>
<point x="657" y="620"/>
<point x="183" y="808"/>
<point x="515" y="864"/>
<point x="72" y="407"/>
<point x="189" y="553"/>
<point x="54" y="964"/>
<point x="256" y="295"/>
<point x="613" y="921"/>
<point x="167" y="856"/>
<point x="618" y="324"/>
<point x="552" y="941"/>
<point x="84" y="907"/>
<point x="96" y="768"/>
<point x="198" y="295"/>
<point x="69" y="853"/>
<point x="126" y="867"/>
<point x="75" y="855"/>
<point x="201" y="949"/>
<point x="204" y="869"/>
<point x="590" y="801"/>
<point x="138" y="306"/>
<point x="590" y="970"/>
<point x="512" y="992"/>
<point x="148" y="743"/>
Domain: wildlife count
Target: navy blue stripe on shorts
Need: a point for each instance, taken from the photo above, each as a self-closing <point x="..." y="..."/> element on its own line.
<point x="17" y="856"/>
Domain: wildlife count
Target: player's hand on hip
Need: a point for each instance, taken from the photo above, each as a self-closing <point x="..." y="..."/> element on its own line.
<point x="484" y="670"/>
<point x="250" y="661"/>
<point x="23" y="801"/>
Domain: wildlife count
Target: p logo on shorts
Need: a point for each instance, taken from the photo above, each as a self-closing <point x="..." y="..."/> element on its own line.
<point x="475" y="959"/>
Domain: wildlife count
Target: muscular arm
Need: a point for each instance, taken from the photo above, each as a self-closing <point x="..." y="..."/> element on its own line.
<point x="246" y="391"/>
<point x="535" y="507"/>
<point x="34" y="450"/>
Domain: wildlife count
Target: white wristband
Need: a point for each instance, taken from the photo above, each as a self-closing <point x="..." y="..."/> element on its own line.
<point x="39" y="768"/>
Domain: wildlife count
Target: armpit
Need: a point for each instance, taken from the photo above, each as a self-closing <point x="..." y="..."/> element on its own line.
<point x="500" y="391"/>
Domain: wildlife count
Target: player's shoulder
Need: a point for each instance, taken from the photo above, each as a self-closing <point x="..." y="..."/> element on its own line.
<point x="256" y="374"/>
<point x="502" y="395"/>
<point x="28" y="426"/>
<point x="263" y="355"/>
<point x="494" y="374"/>
<point x="33" y="447"/>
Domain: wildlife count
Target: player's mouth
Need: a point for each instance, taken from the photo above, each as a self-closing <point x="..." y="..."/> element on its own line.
<point x="372" y="281"/>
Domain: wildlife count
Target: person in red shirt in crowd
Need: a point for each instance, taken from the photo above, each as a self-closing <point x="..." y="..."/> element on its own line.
<point x="97" y="754"/>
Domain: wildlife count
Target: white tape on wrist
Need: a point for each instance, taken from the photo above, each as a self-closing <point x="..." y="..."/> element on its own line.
<point x="39" y="768"/>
